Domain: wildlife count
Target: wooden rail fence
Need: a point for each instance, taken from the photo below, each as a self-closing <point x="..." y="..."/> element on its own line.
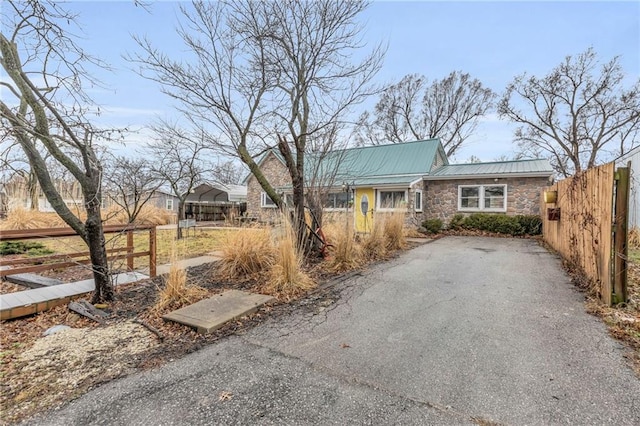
<point x="42" y="263"/>
<point x="585" y="220"/>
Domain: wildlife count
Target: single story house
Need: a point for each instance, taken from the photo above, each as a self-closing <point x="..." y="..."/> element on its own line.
<point x="164" y="199"/>
<point x="413" y="177"/>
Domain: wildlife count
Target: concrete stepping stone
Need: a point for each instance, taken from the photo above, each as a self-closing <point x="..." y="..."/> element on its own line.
<point x="210" y="314"/>
<point x="32" y="280"/>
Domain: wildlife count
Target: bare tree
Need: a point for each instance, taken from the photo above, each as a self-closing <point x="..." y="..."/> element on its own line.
<point x="130" y="183"/>
<point x="267" y="74"/>
<point x="176" y="160"/>
<point x="15" y="169"/>
<point x="43" y="111"/>
<point x="448" y="109"/>
<point x="579" y="114"/>
<point x="227" y="173"/>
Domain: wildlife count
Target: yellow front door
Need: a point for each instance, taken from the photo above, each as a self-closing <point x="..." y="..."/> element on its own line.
<point x="364" y="203"/>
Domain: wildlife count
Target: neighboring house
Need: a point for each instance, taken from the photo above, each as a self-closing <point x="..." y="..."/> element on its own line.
<point x="413" y="177"/>
<point x="164" y="199"/>
<point x="16" y="194"/>
<point x="216" y="201"/>
<point x="633" y="156"/>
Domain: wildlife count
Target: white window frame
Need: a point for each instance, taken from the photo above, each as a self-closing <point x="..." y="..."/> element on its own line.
<point x="385" y="209"/>
<point x="481" y="207"/>
<point x="337" y="209"/>
<point x="263" y="201"/>
<point x="168" y="204"/>
<point x="415" y="204"/>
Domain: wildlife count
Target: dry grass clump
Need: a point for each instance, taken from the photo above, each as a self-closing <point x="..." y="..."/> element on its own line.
<point x="148" y="215"/>
<point x="152" y="215"/>
<point x="346" y="254"/>
<point x="114" y="215"/>
<point x="393" y="226"/>
<point x="634" y="237"/>
<point x="374" y="244"/>
<point x="177" y="293"/>
<point x="246" y="253"/>
<point x="21" y="218"/>
<point x="287" y="277"/>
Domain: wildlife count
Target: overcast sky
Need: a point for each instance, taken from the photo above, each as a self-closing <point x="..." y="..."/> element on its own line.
<point x="493" y="41"/>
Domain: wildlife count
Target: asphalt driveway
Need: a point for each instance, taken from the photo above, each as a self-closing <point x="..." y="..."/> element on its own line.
<point x="459" y="331"/>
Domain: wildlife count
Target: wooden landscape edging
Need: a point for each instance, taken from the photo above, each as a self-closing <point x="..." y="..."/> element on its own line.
<point x="587" y="225"/>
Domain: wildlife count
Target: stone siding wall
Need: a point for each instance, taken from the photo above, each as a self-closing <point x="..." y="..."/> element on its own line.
<point x="278" y="176"/>
<point x="523" y="196"/>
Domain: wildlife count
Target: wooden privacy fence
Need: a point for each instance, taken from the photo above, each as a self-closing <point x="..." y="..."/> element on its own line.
<point x="585" y="220"/>
<point x="42" y="263"/>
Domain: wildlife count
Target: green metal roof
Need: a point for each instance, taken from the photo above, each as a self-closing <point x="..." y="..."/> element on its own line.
<point x="398" y="163"/>
<point x="536" y="167"/>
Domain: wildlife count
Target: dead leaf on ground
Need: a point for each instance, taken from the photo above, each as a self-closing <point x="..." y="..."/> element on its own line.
<point x="225" y="396"/>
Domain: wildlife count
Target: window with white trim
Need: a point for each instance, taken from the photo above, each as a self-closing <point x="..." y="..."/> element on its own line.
<point x="336" y="200"/>
<point x="391" y="199"/>
<point x="169" y="204"/>
<point x="417" y="200"/>
<point x="266" y="201"/>
<point x="491" y="198"/>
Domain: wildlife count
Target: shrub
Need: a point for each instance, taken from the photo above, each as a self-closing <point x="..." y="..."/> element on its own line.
<point x="248" y="251"/>
<point x="22" y="247"/>
<point x="433" y="226"/>
<point x="456" y="222"/>
<point x="531" y="224"/>
<point x="508" y="225"/>
<point x="502" y="224"/>
<point x="477" y="221"/>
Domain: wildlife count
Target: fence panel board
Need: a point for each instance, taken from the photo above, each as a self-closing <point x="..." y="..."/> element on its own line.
<point x="583" y="235"/>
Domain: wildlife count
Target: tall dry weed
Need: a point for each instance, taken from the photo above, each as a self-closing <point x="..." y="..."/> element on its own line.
<point x="287" y="277"/>
<point x="114" y="215"/>
<point x="374" y="244"/>
<point x="634" y="237"/>
<point x="346" y="254"/>
<point x="393" y="225"/>
<point x="246" y="253"/>
<point x="176" y="292"/>
<point x="21" y="218"/>
<point x="148" y="215"/>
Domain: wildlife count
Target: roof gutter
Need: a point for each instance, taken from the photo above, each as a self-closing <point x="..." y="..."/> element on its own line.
<point x="490" y="176"/>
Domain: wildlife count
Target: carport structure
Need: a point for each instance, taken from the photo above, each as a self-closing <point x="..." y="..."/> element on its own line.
<point x="215" y="201"/>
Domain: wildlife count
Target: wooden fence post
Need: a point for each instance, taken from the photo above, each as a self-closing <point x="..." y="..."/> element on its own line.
<point x="130" y="250"/>
<point x="620" y="236"/>
<point x="152" y="252"/>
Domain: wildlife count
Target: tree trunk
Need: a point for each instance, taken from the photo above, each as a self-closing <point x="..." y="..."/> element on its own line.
<point x="299" y="217"/>
<point x="94" y="237"/>
<point x="33" y="189"/>
<point x="181" y="216"/>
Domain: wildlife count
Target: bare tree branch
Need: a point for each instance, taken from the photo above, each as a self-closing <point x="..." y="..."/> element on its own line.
<point x="448" y="109"/>
<point x="579" y="114"/>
